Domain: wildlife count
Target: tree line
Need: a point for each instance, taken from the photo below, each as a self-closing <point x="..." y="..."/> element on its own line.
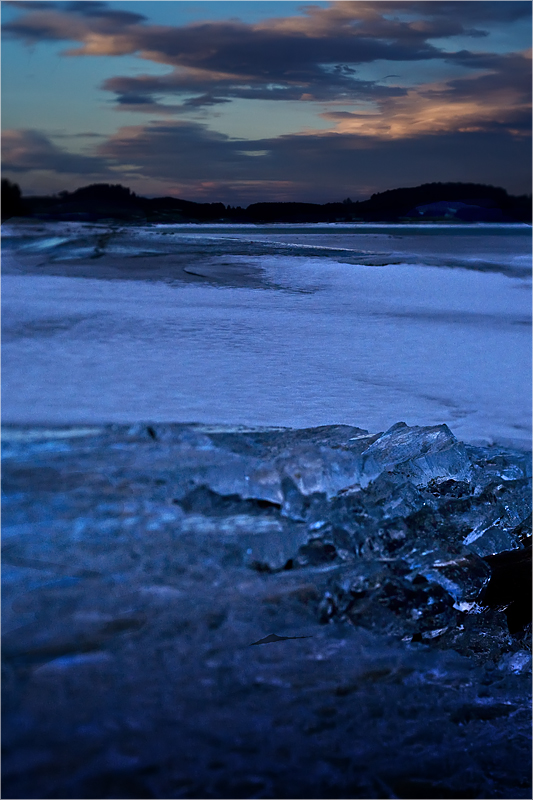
<point x="463" y="202"/>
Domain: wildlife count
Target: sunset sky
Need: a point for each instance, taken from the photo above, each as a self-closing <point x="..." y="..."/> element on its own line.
<point x="245" y="101"/>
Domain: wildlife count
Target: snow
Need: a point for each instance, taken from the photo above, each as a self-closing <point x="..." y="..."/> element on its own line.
<point x="331" y="343"/>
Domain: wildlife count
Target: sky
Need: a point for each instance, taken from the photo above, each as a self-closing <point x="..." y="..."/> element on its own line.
<point x="240" y="101"/>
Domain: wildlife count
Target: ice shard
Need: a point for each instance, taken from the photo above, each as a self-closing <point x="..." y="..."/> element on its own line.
<point x="140" y="562"/>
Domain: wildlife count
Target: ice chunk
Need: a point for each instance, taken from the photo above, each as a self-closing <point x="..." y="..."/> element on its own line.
<point x="516" y="501"/>
<point x="425" y="453"/>
<point x="391" y="495"/>
<point x="270" y="443"/>
<point x="497" y="464"/>
<point x="326" y="459"/>
<point x="323" y="469"/>
<point x="490" y="541"/>
<point x="262" y="543"/>
<point x="453" y="588"/>
<point x="277" y="548"/>
<point x="195" y="463"/>
<point x="247" y="477"/>
<point x="504" y="523"/>
<point x="295" y="504"/>
<point x="450" y="464"/>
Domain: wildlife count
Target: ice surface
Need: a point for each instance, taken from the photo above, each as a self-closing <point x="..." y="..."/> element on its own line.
<point x="319" y="340"/>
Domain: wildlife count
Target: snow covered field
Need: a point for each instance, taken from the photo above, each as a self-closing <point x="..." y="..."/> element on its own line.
<point x="440" y="331"/>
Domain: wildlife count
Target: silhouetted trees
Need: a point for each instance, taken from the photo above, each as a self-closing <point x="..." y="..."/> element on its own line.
<point x="12" y="205"/>
<point x="485" y="204"/>
<point x="104" y="200"/>
<point x="102" y="193"/>
<point x="403" y="200"/>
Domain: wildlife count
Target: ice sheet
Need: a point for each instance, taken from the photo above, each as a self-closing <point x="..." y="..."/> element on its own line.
<point x="332" y="343"/>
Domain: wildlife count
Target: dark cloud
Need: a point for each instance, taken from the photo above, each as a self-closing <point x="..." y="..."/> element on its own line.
<point x="313" y="56"/>
<point x="26" y="150"/>
<point x="87" y="8"/>
<point x="314" y="167"/>
<point x="185" y="149"/>
<point x="510" y="74"/>
<point x="146" y="104"/>
<point x="93" y="8"/>
<point x="187" y="159"/>
<point x="496" y="62"/>
<point x="470" y="10"/>
<point x="68" y="21"/>
<point x="204" y="100"/>
<point x="133" y="99"/>
<point x="240" y="61"/>
<point x="321" y="86"/>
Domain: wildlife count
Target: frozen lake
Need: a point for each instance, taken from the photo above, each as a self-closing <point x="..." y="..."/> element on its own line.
<point x="272" y="326"/>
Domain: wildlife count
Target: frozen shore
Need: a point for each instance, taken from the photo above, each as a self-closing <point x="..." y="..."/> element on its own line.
<point x="293" y="326"/>
<point x="141" y="561"/>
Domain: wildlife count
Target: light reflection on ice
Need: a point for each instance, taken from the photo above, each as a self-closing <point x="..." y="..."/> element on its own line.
<point x="46" y="244"/>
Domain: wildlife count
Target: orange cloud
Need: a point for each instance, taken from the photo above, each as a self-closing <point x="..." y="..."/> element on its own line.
<point x="416" y="114"/>
<point x="468" y="104"/>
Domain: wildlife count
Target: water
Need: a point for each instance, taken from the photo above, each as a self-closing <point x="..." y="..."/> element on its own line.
<point x="273" y="325"/>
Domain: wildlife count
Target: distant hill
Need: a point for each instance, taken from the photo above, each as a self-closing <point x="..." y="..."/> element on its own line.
<point x="461" y="202"/>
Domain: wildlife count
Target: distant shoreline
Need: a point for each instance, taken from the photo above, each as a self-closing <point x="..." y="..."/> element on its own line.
<point x="457" y="203"/>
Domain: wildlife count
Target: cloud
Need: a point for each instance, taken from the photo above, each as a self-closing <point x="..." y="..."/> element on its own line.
<point x="93" y="8"/>
<point x="374" y="20"/>
<point x="85" y="8"/>
<point x="26" y="150"/>
<point x="144" y="103"/>
<point x="70" y="21"/>
<point x="282" y="58"/>
<point x="200" y="164"/>
<point x="186" y="159"/>
<point x="309" y="57"/>
<point x="470" y="11"/>
<point x="473" y="127"/>
<point x="185" y="150"/>
<point x="498" y="95"/>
